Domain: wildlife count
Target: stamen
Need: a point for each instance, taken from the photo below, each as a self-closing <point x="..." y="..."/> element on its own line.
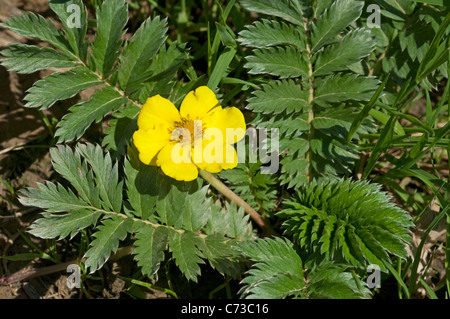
<point x="191" y="125"/>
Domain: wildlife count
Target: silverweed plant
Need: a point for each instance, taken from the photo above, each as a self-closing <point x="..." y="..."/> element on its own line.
<point x="175" y="177"/>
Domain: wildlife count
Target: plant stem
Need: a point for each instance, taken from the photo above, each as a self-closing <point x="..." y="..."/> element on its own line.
<point x="311" y="114"/>
<point x="35" y="273"/>
<point x="228" y="193"/>
<point x="151" y="286"/>
<point x="18" y="276"/>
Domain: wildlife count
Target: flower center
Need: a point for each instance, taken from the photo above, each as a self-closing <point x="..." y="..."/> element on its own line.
<point x="195" y="127"/>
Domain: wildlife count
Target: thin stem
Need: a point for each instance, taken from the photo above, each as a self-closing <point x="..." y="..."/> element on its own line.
<point x="151" y="286"/>
<point x="35" y="272"/>
<point x="311" y="114"/>
<point x="228" y="193"/>
<point x="19" y="276"/>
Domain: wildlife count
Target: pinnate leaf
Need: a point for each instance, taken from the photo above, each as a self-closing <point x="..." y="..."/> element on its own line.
<point x="60" y="226"/>
<point x="136" y="56"/>
<point x="35" y="26"/>
<point x="60" y="86"/>
<point x="284" y="9"/>
<point x="25" y="59"/>
<point x="278" y="61"/>
<point x="74" y="124"/>
<point x="151" y="244"/>
<point x="112" y="17"/>
<point x="184" y="246"/>
<point x="334" y="21"/>
<point x="106" y="241"/>
<point x="266" y="33"/>
<point x="277" y="97"/>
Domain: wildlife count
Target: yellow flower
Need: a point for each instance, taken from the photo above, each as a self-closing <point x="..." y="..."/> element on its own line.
<point x="199" y="136"/>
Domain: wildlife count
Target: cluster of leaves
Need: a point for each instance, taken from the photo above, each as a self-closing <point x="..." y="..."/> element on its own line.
<point x="159" y="213"/>
<point x="405" y="36"/>
<point x="307" y="65"/>
<point x="354" y="220"/>
<point x="312" y="86"/>
<point x="257" y="189"/>
<point x="311" y="58"/>
<point x="277" y="273"/>
<point x="127" y="73"/>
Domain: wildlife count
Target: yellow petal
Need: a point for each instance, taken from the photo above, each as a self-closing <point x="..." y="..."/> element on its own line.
<point x="157" y="110"/>
<point x="183" y="171"/>
<point x="230" y="121"/>
<point x="149" y="143"/>
<point x="230" y="157"/>
<point x="212" y="168"/>
<point x="198" y="103"/>
<point x="214" y="165"/>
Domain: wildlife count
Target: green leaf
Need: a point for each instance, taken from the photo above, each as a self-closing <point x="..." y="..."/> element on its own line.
<point x="218" y="250"/>
<point x="334" y="21"/>
<point x="61" y="226"/>
<point x="257" y="189"/>
<point x="136" y="57"/>
<point x="52" y="197"/>
<point x="351" y="49"/>
<point x="433" y="2"/>
<point x="277" y="272"/>
<point x="238" y="223"/>
<point x="342" y="87"/>
<point x="229" y="221"/>
<point x="330" y="281"/>
<point x="26" y="59"/>
<point x="221" y="69"/>
<point x="381" y="145"/>
<point x="121" y="129"/>
<point x="184" y="247"/>
<point x="174" y="201"/>
<point x="60" y="86"/>
<point x="142" y="189"/>
<point x="112" y="17"/>
<point x="279" y="96"/>
<point x="278" y="287"/>
<point x="278" y="61"/>
<point x="70" y="166"/>
<point x="436" y="54"/>
<point x="266" y="33"/>
<point x="196" y="210"/>
<point x="384" y="119"/>
<point x="295" y="171"/>
<point x="22" y="257"/>
<point x="73" y="16"/>
<point x="227" y="38"/>
<point x="106" y="241"/>
<point x="281" y="8"/>
<point x="74" y="124"/>
<point x="365" y="225"/>
<point x="357" y="121"/>
<point x="166" y="63"/>
<point x="396" y="9"/>
<point x="35" y="26"/>
<point x="106" y="175"/>
<point x="151" y="244"/>
<point x="162" y="73"/>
